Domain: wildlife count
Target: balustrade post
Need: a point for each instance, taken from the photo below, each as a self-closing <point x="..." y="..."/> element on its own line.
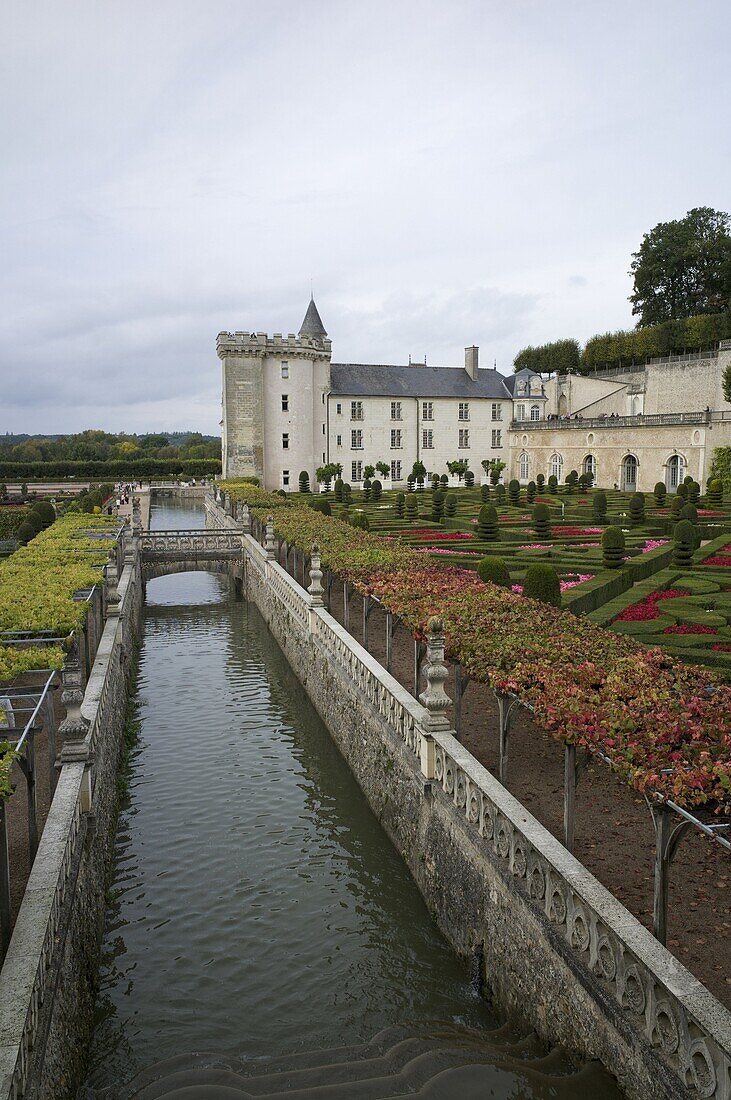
<point x="668" y="834"/>
<point x="269" y="545"/>
<point x="569" y="795"/>
<point x="435" y="698"/>
<point x="461" y="683"/>
<point x="74" y="728"/>
<point x="245" y="519"/>
<point x="505" y="706"/>
<point x="419" y="651"/>
<point x="366" y="607"/>
<point x="346" y="606"/>
<point x="389" y="640"/>
<point x="315" y="589"/>
<point x="111" y="582"/>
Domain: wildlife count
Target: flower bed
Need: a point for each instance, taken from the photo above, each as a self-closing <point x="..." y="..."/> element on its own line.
<point x="646" y="609"/>
<point x="664" y="725"/>
<point x="722" y="558"/>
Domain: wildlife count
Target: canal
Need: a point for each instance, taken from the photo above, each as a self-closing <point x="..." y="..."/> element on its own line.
<point x="257" y="908"/>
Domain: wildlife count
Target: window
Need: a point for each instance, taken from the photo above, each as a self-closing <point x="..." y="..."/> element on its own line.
<point x="535" y="412"/>
<point x="427" y="439"/>
<point x="339" y="408"/>
<point x="285" y="402"/>
<point x="323" y="429"/>
<point x="464" y="410"/>
<point x="395" y="439"/>
<point x="285" y="441"/>
<point x="464" y="437"/>
<point x="285" y="370"/>
<point x="356" y="471"/>
<point x="396" y="411"/>
<point x="285" y="478"/>
<point x="675" y="472"/>
<point x="356" y="410"/>
<point x="520" y="412"/>
<point x="590" y="465"/>
<point x="340" y="441"/>
<point x="427" y="410"/>
<point x="629" y="473"/>
<point x="396" y="470"/>
<point x="497" y="437"/>
<point x="524" y="467"/>
<point x="497" y="410"/>
<point x="556" y="466"/>
<point x="356" y="440"/>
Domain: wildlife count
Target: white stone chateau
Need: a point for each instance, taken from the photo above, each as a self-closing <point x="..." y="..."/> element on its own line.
<point x="288" y="408"/>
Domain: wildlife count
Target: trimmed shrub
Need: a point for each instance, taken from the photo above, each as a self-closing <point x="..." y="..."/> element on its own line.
<point x="46" y="511"/>
<point x="400" y="505"/>
<point x="684" y="544"/>
<point x="689" y="512"/>
<point x="542" y="583"/>
<point x="360" y="520"/>
<point x="304" y="482"/>
<point x="687" y="479"/>
<point x="660" y="493"/>
<point x="540" y="482"/>
<point x="366" y="489"/>
<point x="444" y="479"/>
<point x="410" y="481"/>
<point x="694" y="492"/>
<point x="500" y="493"/>
<point x="542" y="521"/>
<point x="530" y="493"/>
<point x="437" y="506"/>
<point x="677" y="504"/>
<point x="435" y="481"/>
<point x="34" y="520"/>
<point x="321" y="504"/>
<point x="514" y="493"/>
<point x="412" y="506"/>
<point x="487" y="523"/>
<point x="376" y="490"/>
<point x="494" y="570"/>
<point x="450" y="504"/>
<point x="25" y="532"/>
<point x="572" y="480"/>
<point x="347" y="493"/>
<point x="637" y="510"/>
<point x="714" y="493"/>
<point x="613" y="547"/>
<point x="682" y="491"/>
<point x="485" y="492"/>
<point x="599" y="506"/>
<point x="469" y="479"/>
<point x="339" y="491"/>
<point x="552" y="483"/>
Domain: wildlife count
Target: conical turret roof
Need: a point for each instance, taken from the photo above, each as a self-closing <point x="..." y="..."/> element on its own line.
<point x="312" y="324"/>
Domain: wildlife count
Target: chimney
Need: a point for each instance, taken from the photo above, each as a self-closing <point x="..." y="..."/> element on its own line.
<point x="471" y="356"/>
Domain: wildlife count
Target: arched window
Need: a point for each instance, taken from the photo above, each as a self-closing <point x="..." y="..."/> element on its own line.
<point x="556" y="466"/>
<point x="524" y="467"/>
<point x="590" y="466"/>
<point x="636" y="406"/>
<point x="535" y="412"/>
<point x="629" y="474"/>
<point x="675" y="472"/>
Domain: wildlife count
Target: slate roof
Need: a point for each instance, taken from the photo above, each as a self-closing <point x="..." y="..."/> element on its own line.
<point x="312" y="324"/>
<point x="381" y="380"/>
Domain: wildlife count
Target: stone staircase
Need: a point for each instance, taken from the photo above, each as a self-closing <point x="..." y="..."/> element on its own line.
<point x="444" y="1062"/>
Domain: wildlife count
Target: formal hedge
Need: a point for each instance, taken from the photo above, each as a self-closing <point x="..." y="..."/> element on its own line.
<point x="669" y="338"/>
<point x="132" y="470"/>
<point x="562" y="356"/>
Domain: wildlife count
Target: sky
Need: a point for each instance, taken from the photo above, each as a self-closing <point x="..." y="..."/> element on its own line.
<point x="441" y="172"/>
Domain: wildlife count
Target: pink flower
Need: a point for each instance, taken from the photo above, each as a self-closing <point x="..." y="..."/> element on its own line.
<point x="653" y="544"/>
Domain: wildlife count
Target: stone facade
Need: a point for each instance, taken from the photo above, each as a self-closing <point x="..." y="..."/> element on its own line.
<point x="288" y="408"/>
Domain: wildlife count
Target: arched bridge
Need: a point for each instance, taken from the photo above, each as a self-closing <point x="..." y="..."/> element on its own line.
<point x="215" y="550"/>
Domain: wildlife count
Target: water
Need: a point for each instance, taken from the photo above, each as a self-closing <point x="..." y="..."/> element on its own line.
<point x="258" y="908"/>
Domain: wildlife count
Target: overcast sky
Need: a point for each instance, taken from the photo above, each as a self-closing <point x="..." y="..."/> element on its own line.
<point x="447" y="172"/>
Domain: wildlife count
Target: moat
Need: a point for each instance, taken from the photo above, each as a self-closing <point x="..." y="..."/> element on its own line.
<point x="257" y="908"/>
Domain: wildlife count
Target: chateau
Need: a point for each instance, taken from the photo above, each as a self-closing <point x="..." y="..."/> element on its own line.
<point x="288" y="408"/>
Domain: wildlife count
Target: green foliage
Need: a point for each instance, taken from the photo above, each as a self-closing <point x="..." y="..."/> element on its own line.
<point x="383" y="469"/>
<point x="338" y="490"/>
<point x="613" y="547"/>
<point x="682" y="491"/>
<point x="514" y="493"/>
<point x="683" y="268"/>
<point x="540" y="482"/>
<point x="450" y="504"/>
<point x="500" y="493"/>
<point x="347" y="493"/>
<point x="637" y="510"/>
<point x="458" y="468"/>
<point x="376" y="490"/>
<point x="542" y="583"/>
<point x="410" y="482"/>
<point x="684" y="544"/>
<point x="726" y="383"/>
<point x="320" y="504"/>
<point x="694" y="492"/>
<point x="26" y="532"/>
<point x="560" y="357"/>
<point x="435" y="482"/>
<point x="660" y="493"/>
<point x="530" y="492"/>
<point x="714" y="494"/>
<point x="437" y="506"/>
<point x="676" y="504"/>
<point x="444" y="481"/>
<point x="542" y="521"/>
<point x="488" y="527"/>
<point x="412" y="507"/>
<point x="360" y="520"/>
<point x="366" y="489"/>
<point x="493" y="467"/>
<point x="400" y="505"/>
<point x="586" y="480"/>
<point x="485" y="492"/>
<point x="599" y="506"/>
<point x="469" y="479"/>
<point x="669" y="338"/>
<point x="419" y="472"/>
<point x="304" y="482"/>
<point x="495" y="570"/>
<point x="326" y="473"/>
<point x="552" y="483"/>
<point x="689" y="512"/>
<point x="572" y="480"/>
<point x="369" y="472"/>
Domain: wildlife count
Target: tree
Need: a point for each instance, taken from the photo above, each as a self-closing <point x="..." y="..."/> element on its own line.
<point x="559" y="357"/>
<point x="369" y="472"/>
<point x="683" y="268"/>
<point x="383" y="468"/>
<point x="459" y="467"/>
<point x="419" y="472"/>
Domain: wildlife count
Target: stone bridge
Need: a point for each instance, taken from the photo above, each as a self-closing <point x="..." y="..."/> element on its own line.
<point x="213" y="550"/>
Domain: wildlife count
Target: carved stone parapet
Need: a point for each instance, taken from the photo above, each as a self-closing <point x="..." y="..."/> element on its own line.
<point x="435" y="698"/>
<point x="269" y="543"/>
<point x="315" y="589"/>
<point x="245" y="518"/>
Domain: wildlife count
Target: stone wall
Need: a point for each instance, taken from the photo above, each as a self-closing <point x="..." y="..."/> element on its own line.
<point x="558" y="949"/>
<point x="49" y="979"/>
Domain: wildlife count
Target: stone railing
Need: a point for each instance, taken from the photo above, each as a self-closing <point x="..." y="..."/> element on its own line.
<point x="650" y="420"/>
<point x="203" y="541"/>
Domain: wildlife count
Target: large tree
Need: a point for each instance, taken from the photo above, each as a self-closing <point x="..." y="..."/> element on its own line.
<point x="683" y="268"/>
